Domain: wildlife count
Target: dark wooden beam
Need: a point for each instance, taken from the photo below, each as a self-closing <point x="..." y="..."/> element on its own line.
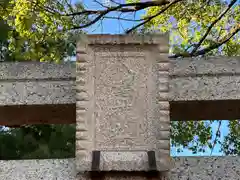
<point x="17" y="115"/>
<point x="205" y="110"/>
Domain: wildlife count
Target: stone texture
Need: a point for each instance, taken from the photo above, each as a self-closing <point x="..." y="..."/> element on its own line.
<point x="122" y="103"/>
<point x="37" y="83"/>
<point x="127" y="161"/>
<point x="191" y="80"/>
<point x="25" y="87"/>
<point x="205" y="168"/>
<point x="37" y="92"/>
<point x="108" y="39"/>
<point x="205" y="88"/>
<point x="35" y="70"/>
<point x="192" y="168"/>
<point x="205" y="66"/>
<point x="51" y="169"/>
<point x="214" y="78"/>
<point x="85" y="126"/>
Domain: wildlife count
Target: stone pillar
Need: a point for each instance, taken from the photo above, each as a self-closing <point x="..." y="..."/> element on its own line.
<point x="122" y="102"/>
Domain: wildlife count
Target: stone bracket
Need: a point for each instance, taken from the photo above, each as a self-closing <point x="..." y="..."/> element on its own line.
<point x="96" y="161"/>
<point x="98" y="174"/>
<point x="95" y="167"/>
<point x="148" y="175"/>
<point x="152" y="161"/>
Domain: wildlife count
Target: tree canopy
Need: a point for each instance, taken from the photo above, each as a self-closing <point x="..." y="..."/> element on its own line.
<point x="35" y="33"/>
<point x="39" y="141"/>
<point x="196" y="27"/>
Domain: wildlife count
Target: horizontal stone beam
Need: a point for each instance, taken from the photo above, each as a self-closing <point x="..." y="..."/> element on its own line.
<point x="205" y="88"/>
<point x="194" y="168"/>
<point x="37" y="83"/>
<point x="32" y="70"/>
<point x="37" y="93"/>
<point x="199" y="89"/>
<point x="214" y="78"/>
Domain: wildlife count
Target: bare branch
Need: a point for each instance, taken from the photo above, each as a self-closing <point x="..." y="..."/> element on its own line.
<point x="91" y="22"/>
<point x="151" y="17"/>
<point x="216" y="45"/>
<point x="124" y="19"/>
<point x="123" y="8"/>
<point x="115" y="2"/>
<point x="224" y="40"/>
<point x="216" y="136"/>
<point x="212" y="25"/>
<point x="101" y="4"/>
<point x="120" y="8"/>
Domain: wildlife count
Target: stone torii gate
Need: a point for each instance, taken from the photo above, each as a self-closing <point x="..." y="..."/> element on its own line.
<point x="121" y="95"/>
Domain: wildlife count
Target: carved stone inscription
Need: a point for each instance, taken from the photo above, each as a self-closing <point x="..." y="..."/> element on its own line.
<point x="121" y="102"/>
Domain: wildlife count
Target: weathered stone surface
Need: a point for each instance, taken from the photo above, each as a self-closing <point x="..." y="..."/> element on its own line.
<point x="205" y="168"/>
<point x="214" y="78"/>
<point x="128" y="161"/>
<point x="122" y="105"/>
<point x="37" y="92"/>
<point x="205" y="66"/>
<point x="192" y="80"/>
<point x="37" y="83"/>
<point x="108" y="39"/>
<point x="51" y="169"/>
<point x="31" y="70"/>
<point x="205" y="88"/>
<point x="194" y="168"/>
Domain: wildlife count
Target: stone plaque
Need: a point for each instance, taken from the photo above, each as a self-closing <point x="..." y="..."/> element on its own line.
<point x="122" y="103"/>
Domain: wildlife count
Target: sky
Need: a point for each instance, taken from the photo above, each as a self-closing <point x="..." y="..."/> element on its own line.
<point x="112" y="26"/>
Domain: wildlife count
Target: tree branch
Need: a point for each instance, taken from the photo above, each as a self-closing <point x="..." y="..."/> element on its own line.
<point x="216" y="136"/>
<point x="212" y="25"/>
<point x="123" y="8"/>
<point x="124" y="19"/>
<point x="101" y="4"/>
<point x="151" y="17"/>
<point x="222" y="41"/>
<point x="130" y="7"/>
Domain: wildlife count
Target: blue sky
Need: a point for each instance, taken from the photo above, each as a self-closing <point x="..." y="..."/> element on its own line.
<point x="112" y="26"/>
